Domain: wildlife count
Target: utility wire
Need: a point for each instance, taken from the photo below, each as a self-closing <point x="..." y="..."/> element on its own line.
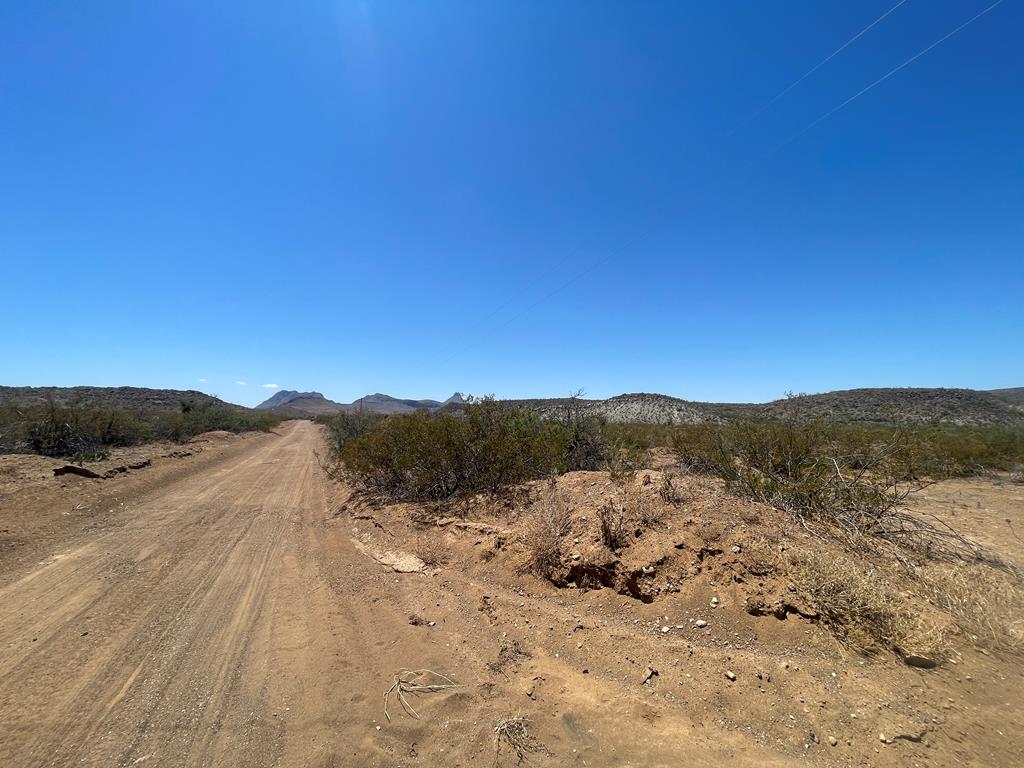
<point x="822" y="63"/>
<point x="880" y="80"/>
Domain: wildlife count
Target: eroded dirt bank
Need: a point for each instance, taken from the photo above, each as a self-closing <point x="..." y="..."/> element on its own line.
<point x="222" y="614"/>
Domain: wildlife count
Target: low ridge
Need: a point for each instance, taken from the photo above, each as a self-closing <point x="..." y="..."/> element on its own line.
<point x="131" y="398"/>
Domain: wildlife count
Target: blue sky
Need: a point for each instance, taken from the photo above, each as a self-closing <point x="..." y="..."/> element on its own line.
<point x="521" y="198"/>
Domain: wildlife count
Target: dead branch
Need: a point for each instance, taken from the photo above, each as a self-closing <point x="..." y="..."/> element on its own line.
<point x="411" y="681"/>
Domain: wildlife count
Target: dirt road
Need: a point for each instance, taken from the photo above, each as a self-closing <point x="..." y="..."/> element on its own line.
<point x="221" y="615"/>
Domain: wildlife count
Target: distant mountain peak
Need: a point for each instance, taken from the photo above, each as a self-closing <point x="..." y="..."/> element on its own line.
<point x="285" y="396"/>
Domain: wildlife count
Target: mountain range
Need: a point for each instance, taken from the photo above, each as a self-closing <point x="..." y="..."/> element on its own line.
<point x="968" y="407"/>
<point x="291" y="403"/>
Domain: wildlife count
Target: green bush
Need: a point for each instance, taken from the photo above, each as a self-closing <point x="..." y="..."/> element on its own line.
<point x="80" y="432"/>
<point x="488" y="447"/>
<point x="931" y="452"/>
<point x="345" y="426"/>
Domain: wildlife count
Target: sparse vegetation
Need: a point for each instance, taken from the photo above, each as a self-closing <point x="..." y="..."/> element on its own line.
<point x="853" y="478"/>
<point x="85" y="433"/>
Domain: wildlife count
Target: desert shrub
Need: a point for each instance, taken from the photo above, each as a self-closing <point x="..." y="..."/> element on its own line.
<point x="701" y="449"/>
<point x="196" y="419"/>
<point x="548" y="523"/>
<point x="488" y="447"/>
<point x="345" y="426"/>
<point x="81" y="432"/>
<point x="586" y="447"/>
<point x="934" y="452"/>
<point x="641" y="436"/>
<point x="623" y="462"/>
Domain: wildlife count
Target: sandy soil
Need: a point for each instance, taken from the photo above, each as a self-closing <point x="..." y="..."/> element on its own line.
<point x="232" y="607"/>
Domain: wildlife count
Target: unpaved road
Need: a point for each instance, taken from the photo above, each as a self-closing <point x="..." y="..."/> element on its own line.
<point x="181" y="636"/>
<point x="215" y="612"/>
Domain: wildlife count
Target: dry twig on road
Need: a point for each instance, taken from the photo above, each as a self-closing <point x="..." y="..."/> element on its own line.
<point x="413" y="681"/>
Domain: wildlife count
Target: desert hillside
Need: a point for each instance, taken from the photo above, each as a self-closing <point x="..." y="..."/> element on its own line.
<point x="130" y="398"/>
<point x="961" y="407"/>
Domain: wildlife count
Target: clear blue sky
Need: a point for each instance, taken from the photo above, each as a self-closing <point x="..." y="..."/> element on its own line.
<point x="519" y="197"/>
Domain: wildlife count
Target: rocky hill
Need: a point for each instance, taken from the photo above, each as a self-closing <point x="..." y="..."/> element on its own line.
<point x="1014" y="396"/>
<point x="131" y="398"/>
<point x="917" y="406"/>
<point x="877" y="406"/>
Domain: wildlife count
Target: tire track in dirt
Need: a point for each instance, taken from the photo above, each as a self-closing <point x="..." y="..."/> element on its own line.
<point x="170" y="602"/>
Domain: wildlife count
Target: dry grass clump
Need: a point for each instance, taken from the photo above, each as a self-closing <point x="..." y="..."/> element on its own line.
<point x="611" y="522"/>
<point x="432" y="550"/>
<point x="863" y="608"/>
<point x="509" y="654"/>
<point x="646" y="509"/>
<point x="547" y="524"/>
<point x="669" y="492"/>
<point x="514" y="732"/>
<point x="761" y="557"/>
<point x="638" y="511"/>
<point x="987" y="604"/>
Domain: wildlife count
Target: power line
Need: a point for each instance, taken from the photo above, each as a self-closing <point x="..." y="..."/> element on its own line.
<point x="822" y="63"/>
<point x="880" y="80"/>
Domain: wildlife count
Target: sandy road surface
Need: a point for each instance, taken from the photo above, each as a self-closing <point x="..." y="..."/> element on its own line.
<point x="180" y="636"/>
